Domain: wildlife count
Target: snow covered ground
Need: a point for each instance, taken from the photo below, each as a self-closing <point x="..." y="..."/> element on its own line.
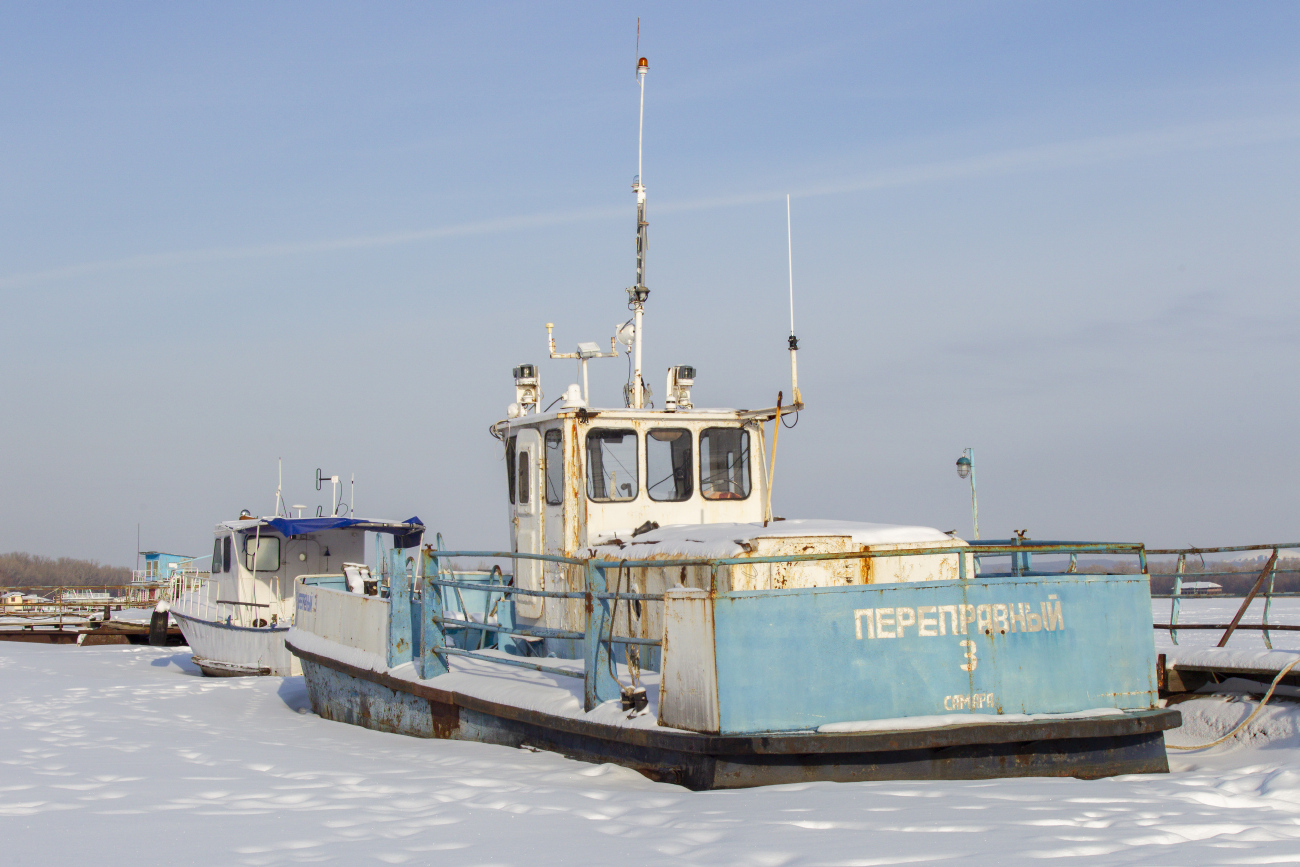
<point x="126" y="755"/>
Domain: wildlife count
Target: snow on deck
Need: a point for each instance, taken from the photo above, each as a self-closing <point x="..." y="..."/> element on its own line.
<point x="512" y="685"/>
<point x="724" y="540"/>
<point x="127" y="754"/>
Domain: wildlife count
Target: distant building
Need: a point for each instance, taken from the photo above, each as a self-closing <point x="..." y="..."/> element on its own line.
<point x="1202" y="588"/>
<point x="157" y="566"/>
<point x="160" y="569"/>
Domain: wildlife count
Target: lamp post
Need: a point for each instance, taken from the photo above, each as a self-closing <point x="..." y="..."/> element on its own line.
<point x="966" y="467"/>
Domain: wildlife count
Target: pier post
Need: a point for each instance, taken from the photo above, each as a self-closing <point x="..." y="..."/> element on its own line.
<point x="400" y="570"/>
<point x="432" y="638"/>
<point x="599" y="684"/>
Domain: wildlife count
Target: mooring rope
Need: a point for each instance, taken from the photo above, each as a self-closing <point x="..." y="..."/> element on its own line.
<point x="1281" y="674"/>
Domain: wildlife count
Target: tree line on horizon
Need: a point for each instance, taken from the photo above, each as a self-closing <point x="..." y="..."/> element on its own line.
<point x="19" y="569"/>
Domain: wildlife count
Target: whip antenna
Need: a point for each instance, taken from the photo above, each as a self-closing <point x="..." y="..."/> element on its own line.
<point x="794" y="341"/>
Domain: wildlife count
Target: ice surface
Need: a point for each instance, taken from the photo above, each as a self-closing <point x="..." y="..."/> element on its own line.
<point x="124" y="755"/>
<point x="1221" y="610"/>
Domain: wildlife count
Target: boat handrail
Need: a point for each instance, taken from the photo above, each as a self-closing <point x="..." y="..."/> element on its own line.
<point x="984" y="550"/>
<point x="428" y="643"/>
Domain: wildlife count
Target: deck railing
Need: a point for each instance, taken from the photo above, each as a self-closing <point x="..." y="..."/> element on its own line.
<point x="425" y="574"/>
<point x="1269" y="573"/>
<point x="199" y="596"/>
<point x="73" y="606"/>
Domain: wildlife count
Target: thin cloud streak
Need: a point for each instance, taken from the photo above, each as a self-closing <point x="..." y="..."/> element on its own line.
<point x="220" y="254"/>
<point x="1060" y="155"/>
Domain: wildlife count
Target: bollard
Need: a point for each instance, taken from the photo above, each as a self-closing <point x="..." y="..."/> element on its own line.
<point x="158" y="626"/>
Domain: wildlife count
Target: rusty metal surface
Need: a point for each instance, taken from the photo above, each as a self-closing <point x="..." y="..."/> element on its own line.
<point x="1222" y="550"/>
<point x="1250" y="597"/>
<point x="41" y="636"/>
<point x="1271" y="627"/>
<point x="1082" y="748"/>
<point x="1135" y="722"/>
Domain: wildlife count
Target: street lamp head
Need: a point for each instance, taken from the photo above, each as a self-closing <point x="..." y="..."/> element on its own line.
<point x="963" y="466"/>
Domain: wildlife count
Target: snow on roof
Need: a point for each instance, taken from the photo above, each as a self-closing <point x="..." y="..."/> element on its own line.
<point x="725" y="540"/>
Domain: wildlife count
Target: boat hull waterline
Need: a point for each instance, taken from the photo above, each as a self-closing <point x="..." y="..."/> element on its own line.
<point x="1131" y="743"/>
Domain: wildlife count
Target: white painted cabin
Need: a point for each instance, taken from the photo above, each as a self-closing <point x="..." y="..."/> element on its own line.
<point x="640" y="484"/>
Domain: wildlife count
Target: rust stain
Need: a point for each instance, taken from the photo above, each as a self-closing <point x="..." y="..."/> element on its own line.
<point x="445" y="719"/>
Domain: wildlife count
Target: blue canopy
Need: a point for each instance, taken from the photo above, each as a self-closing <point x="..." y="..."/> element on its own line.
<point x="405" y="535"/>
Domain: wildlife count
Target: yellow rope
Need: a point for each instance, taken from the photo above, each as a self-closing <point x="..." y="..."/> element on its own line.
<point x="1281" y="674"/>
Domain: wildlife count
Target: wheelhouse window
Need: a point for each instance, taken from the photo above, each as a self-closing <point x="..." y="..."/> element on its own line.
<point x="261" y="554"/>
<point x="668" y="465"/>
<point x="521" y="489"/>
<point x="510" y="466"/>
<point x="611" y="465"/>
<point x="554" y="467"/>
<point x="220" y="555"/>
<point x="724" y="463"/>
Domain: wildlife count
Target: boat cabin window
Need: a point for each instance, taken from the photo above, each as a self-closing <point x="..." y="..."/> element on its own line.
<point x="668" y="465"/>
<point x="510" y="466"/>
<point x="724" y="463"/>
<point x="521" y="489"/>
<point x="220" y="555"/>
<point x="611" y="465"/>
<point x="261" y="554"/>
<point x="554" y="467"/>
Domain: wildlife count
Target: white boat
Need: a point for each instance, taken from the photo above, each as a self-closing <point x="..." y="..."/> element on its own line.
<point x="235" y="619"/>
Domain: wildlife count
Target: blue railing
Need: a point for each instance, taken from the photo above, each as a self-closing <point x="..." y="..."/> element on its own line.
<point x="426" y="572"/>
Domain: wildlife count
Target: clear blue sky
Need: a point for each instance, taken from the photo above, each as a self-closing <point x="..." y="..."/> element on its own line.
<point x="1064" y="234"/>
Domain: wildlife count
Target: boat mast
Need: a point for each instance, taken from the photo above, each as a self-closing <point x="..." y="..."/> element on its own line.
<point x="638" y="293"/>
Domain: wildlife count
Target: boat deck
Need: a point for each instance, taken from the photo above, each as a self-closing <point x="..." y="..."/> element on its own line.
<point x="485" y="701"/>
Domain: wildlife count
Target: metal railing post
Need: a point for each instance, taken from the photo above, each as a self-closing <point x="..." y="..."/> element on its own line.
<point x="399" y="609"/>
<point x="598" y="684"/>
<point x="1177" y="603"/>
<point x="433" y="641"/>
<point x="1268" y="601"/>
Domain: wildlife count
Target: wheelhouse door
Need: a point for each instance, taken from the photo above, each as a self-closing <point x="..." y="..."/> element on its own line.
<point x="529" y="495"/>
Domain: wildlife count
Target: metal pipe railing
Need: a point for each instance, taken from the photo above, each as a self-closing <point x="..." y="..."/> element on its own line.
<point x="508" y="590"/>
<point x="539" y="631"/>
<point x="430" y="649"/>
<point x="430" y="646"/>
<point x="1268" y="573"/>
